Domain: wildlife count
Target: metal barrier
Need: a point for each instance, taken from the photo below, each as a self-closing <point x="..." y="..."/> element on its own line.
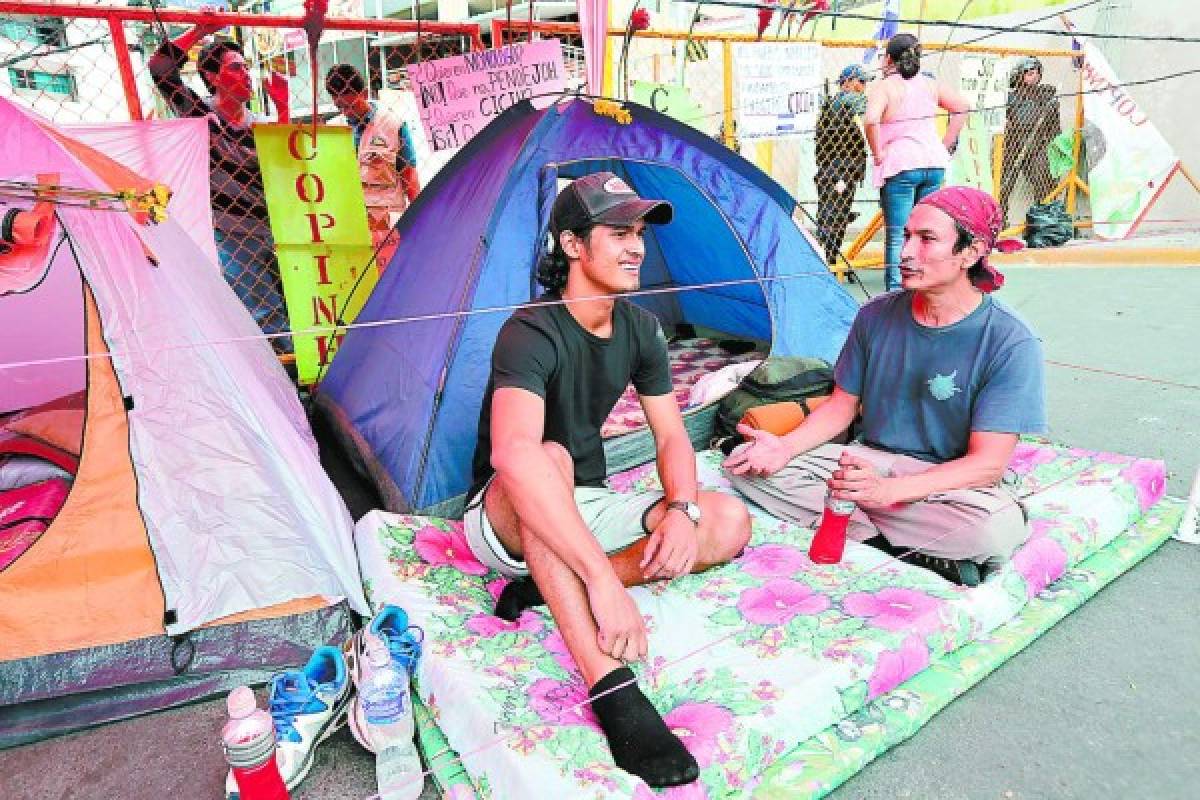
<point x="79" y="64"/>
<point x="812" y="165"/>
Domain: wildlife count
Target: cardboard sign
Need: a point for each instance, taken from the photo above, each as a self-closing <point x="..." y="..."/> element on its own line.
<point x="458" y="96"/>
<point x="778" y="87"/>
<point x="319" y="222"/>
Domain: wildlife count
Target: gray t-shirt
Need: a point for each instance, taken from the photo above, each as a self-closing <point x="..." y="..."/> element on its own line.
<point x="925" y="390"/>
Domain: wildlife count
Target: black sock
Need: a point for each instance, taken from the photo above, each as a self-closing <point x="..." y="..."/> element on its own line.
<point x="518" y="595"/>
<point x="640" y="741"/>
<point x="881" y="543"/>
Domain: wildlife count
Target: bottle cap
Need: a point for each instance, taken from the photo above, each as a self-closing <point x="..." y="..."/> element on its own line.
<point x="241" y="703"/>
<point x="378" y="654"/>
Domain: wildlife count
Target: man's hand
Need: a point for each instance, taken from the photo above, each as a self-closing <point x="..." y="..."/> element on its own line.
<point x="672" y="548"/>
<point x="622" y="631"/>
<point x="859" y="482"/>
<point x="277" y="89"/>
<point x="763" y="454"/>
<point x="203" y="29"/>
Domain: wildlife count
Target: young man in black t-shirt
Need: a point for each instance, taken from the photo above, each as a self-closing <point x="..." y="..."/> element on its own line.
<point x="539" y="506"/>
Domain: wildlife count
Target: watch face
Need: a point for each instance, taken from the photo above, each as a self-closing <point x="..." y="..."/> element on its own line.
<point x="693" y="512"/>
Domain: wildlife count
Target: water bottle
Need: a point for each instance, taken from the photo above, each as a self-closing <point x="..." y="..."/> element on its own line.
<point x="830" y="540"/>
<point x="386" y="705"/>
<point x="248" y="739"/>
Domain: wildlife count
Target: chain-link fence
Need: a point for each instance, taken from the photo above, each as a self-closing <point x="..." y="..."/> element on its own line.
<point x="1017" y="144"/>
<point x="98" y="64"/>
<point x="87" y="64"/>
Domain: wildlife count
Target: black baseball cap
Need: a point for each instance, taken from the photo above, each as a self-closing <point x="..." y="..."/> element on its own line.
<point x="602" y="198"/>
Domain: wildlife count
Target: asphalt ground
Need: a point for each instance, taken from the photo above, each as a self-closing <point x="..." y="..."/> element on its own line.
<point x="1105" y="705"/>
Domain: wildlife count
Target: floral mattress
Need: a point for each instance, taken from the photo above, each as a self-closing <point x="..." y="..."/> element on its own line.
<point x="781" y="676"/>
<point x="690" y="359"/>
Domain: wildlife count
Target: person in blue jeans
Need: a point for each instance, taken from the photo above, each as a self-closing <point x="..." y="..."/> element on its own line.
<point x="910" y="158"/>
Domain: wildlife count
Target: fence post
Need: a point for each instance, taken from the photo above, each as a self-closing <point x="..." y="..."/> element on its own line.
<point x="727" y="63"/>
<point x="121" y="47"/>
<point x="1076" y="150"/>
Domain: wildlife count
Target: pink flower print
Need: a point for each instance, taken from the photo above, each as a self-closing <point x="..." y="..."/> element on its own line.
<point x="496" y="587"/>
<point x="1026" y="457"/>
<point x="691" y="791"/>
<point x="1148" y="479"/>
<point x="772" y="561"/>
<point x="766" y="692"/>
<point x="562" y="703"/>
<point x="447" y="548"/>
<point x="554" y="644"/>
<point x="894" y="667"/>
<point x="1041" y="561"/>
<point x="488" y="626"/>
<point x="895" y="609"/>
<point x="1039" y="527"/>
<point x="698" y="726"/>
<point x="778" y="601"/>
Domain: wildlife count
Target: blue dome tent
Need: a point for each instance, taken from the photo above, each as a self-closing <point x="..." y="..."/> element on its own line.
<point x="407" y="395"/>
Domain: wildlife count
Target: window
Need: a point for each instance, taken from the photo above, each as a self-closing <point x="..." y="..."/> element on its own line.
<point x="52" y="83"/>
<point x="28" y="30"/>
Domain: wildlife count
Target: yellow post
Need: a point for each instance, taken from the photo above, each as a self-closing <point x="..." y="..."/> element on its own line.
<point x="727" y="64"/>
<point x="1076" y="150"/>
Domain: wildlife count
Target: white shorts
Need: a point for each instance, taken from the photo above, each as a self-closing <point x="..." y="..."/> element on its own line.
<point x="616" y="519"/>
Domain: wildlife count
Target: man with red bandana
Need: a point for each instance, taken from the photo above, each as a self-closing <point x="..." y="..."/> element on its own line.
<point x="947" y="377"/>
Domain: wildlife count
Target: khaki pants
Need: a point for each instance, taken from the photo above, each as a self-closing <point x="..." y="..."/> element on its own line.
<point x="982" y="525"/>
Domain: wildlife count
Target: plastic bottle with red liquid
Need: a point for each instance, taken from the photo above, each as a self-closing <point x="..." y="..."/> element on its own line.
<point x="249" y="743"/>
<point x="830" y="540"/>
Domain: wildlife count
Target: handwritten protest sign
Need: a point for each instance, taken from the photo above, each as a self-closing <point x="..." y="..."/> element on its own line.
<point x="458" y="96"/>
<point x="778" y="88"/>
<point x="319" y="224"/>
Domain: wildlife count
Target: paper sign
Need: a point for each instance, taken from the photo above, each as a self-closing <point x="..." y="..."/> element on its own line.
<point x="458" y="96"/>
<point x="984" y="82"/>
<point x="319" y="223"/>
<point x="674" y="101"/>
<point x="778" y="87"/>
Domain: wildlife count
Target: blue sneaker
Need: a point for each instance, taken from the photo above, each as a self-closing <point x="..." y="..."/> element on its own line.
<point x="404" y="643"/>
<point x="308" y="706"/>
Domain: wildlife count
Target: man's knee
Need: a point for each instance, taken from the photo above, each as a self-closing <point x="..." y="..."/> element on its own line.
<point x="728" y="529"/>
<point x="1002" y="533"/>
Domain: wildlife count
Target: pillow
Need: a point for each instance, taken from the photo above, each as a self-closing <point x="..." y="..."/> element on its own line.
<point x="18" y="444"/>
<point x="17" y="471"/>
<point x="25" y="514"/>
<point x="61" y="428"/>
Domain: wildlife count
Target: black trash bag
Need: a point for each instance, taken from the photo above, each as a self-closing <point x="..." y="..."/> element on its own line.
<point x="1048" y="225"/>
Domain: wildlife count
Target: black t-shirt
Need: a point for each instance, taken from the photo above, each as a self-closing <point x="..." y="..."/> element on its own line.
<point x="544" y="350"/>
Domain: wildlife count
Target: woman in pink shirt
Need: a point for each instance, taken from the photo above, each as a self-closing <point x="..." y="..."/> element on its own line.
<point x="910" y="158"/>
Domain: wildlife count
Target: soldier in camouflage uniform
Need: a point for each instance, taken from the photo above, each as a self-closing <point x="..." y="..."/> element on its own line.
<point x="1031" y="122"/>
<point x="841" y="158"/>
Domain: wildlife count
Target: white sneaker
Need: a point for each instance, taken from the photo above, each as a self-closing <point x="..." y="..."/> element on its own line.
<point x="308" y="706"/>
<point x="404" y="644"/>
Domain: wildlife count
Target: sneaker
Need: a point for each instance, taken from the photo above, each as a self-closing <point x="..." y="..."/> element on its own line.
<point x="404" y="643"/>
<point x="964" y="572"/>
<point x="308" y="706"/>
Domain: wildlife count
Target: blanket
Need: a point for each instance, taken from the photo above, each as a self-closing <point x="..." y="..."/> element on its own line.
<point x="749" y="661"/>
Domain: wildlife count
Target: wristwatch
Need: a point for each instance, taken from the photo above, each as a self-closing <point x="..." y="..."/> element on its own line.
<point x="687" y="507"/>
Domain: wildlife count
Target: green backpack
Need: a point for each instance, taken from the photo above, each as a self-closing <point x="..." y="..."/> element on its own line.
<point x="778" y="379"/>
